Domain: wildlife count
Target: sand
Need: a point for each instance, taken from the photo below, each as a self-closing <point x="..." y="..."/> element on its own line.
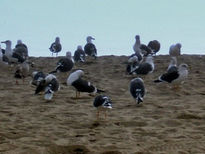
<point x="168" y="121"/>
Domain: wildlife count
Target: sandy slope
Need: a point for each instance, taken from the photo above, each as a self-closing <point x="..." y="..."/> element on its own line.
<point x="167" y="122"/>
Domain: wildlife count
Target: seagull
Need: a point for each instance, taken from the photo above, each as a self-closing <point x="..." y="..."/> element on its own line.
<point x="13" y="55"/>
<point x="137" y="89"/>
<point x="64" y="64"/>
<point x="145" y="50"/>
<point x="90" y="48"/>
<point x="154" y="46"/>
<point x="8" y="56"/>
<point x="132" y="64"/>
<point x="22" y="71"/>
<point x="172" y="65"/>
<point x="174" y="75"/>
<point x="56" y="46"/>
<point x="49" y="85"/>
<point x="146" y="67"/>
<point x="79" y="55"/>
<point x="102" y="103"/>
<point x="81" y="85"/>
<point x="69" y="55"/>
<point x="175" y="49"/>
<point x="137" y="49"/>
<point x="20" y="50"/>
<point x="37" y="77"/>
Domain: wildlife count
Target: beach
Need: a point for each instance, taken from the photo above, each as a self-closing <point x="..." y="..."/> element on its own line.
<point x="167" y="122"/>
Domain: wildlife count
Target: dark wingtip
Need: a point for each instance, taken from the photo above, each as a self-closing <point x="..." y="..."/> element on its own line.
<point x="52" y="72"/>
<point x="157" y="81"/>
<point x="36" y="91"/>
<point x="100" y="91"/>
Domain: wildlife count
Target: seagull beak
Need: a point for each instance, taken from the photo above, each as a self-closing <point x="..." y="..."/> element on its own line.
<point x="93" y="38"/>
<point x="3" y="42"/>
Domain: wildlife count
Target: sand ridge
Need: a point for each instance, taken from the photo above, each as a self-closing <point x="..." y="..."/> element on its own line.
<point x="167" y="122"/>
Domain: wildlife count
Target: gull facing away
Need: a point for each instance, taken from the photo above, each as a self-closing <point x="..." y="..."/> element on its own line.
<point x="137" y="89"/>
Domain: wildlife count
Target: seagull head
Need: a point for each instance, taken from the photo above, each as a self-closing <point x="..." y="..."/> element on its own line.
<point x="79" y="73"/>
<point x="178" y="45"/>
<point x="89" y="39"/>
<point x="57" y="40"/>
<point x="7" y="42"/>
<point x="183" y="67"/>
<point x="68" y="55"/>
<point x="79" y="47"/>
<point x="137" y="37"/>
<point x="74" y="76"/>
<point x="34" y="73"/>
<point x="19" y="41"/>
<point x="133" y="59"/>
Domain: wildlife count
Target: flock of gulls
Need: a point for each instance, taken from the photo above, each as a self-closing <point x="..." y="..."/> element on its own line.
<point x="141" y="62"/>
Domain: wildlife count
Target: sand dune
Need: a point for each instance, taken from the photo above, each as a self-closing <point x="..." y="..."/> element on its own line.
<point x="167" y="121"/>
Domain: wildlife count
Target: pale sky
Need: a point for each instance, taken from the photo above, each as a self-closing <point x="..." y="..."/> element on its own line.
<point x="113" y="23"/>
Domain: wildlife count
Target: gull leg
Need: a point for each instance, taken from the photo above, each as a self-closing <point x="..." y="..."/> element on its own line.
<point x="76" y="94"/>
<point x="105" y="115"/>
<point x="175" y="87"/>
<point x="23" y="80"/>
<point x="17" y="83"/>
<point x="98" y="114"/>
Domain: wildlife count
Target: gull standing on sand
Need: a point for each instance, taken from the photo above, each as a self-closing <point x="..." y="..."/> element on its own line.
<point x="81" y="85"/>
<point x="174" y="75"/>
<point x="145" y="67"/>
<point x="151" y="49"/>
<point x="79" y="55"/>
<point x="90" y="48"/>
<point x="49" y="85"/>
<point x="3" y="59"/>
<point x="145" y="50"/>
<point x="172" y="65"/>
<point x="133" y="63"/>
<point x="22" y="71"/>
<point x="137" y="89"/>
<point x="137" y="49"/>
<point x="21" y="49"/>
<point x="8" y="56"/>
<point x="102" y="103"/>
<point x="37" y="77"/>
<point x="64" y="64"/>
<point x="56" y="46"/>
<point x="154" y="46"/>
<point x="175" y="49"/>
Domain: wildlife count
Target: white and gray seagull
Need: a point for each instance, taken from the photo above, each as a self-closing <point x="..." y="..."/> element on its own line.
<point x="81" y="85"/>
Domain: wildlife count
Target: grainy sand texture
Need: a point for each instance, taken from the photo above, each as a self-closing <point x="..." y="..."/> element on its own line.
<point x="168" y="122"/>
